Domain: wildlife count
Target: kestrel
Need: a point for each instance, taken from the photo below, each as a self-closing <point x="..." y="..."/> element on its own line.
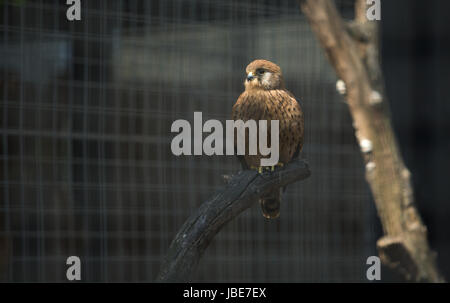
<point x="266" y="98"/>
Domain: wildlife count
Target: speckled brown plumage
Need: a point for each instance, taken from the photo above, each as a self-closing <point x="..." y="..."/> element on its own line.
<point x="266" y="98"/>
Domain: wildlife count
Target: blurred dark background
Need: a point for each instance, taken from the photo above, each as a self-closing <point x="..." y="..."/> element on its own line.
<point x="416" y="64"/>
<point x="86" y="110"/>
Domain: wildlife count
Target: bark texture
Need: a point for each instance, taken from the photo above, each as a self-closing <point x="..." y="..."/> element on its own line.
<point x="242" y="190"/>
<point x="353" y="50"/>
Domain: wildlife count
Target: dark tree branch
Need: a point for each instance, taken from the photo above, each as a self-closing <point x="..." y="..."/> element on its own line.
<point x="242" y="190"/>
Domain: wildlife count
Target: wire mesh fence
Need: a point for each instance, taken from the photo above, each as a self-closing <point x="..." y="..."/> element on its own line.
<point x="86" y="165"/>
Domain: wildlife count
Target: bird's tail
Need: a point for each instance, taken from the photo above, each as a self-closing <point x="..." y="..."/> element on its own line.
<point x="270" y="204"/>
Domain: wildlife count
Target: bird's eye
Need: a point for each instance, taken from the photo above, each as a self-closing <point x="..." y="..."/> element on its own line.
<point x="260" y="71"/>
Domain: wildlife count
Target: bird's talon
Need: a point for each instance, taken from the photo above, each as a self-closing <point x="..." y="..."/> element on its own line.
<point x="262" y="169"/>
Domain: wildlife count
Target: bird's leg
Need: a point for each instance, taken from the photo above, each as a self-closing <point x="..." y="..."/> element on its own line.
<point x="273" y="167"/>
<point x="261" y="169"/>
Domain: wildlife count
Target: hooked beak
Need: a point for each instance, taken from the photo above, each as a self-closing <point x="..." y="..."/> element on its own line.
<point x="250" y="76"/>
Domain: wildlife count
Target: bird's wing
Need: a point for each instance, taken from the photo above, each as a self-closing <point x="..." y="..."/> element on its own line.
<point x="247" y="107"/>
<point x="236" y="114"/>
<point x="300" y="120"/>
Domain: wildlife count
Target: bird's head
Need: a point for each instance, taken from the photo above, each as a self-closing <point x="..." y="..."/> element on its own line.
<point x="263" y="74"/>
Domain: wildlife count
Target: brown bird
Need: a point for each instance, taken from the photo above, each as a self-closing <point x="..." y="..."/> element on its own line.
<point x="266" y="98"/>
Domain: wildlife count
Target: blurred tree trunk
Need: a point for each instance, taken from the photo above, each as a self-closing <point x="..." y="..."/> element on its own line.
<point x="353" y="51"/>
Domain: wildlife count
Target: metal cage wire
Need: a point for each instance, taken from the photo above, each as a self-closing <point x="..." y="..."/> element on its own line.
<point x="86" y="165"/>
